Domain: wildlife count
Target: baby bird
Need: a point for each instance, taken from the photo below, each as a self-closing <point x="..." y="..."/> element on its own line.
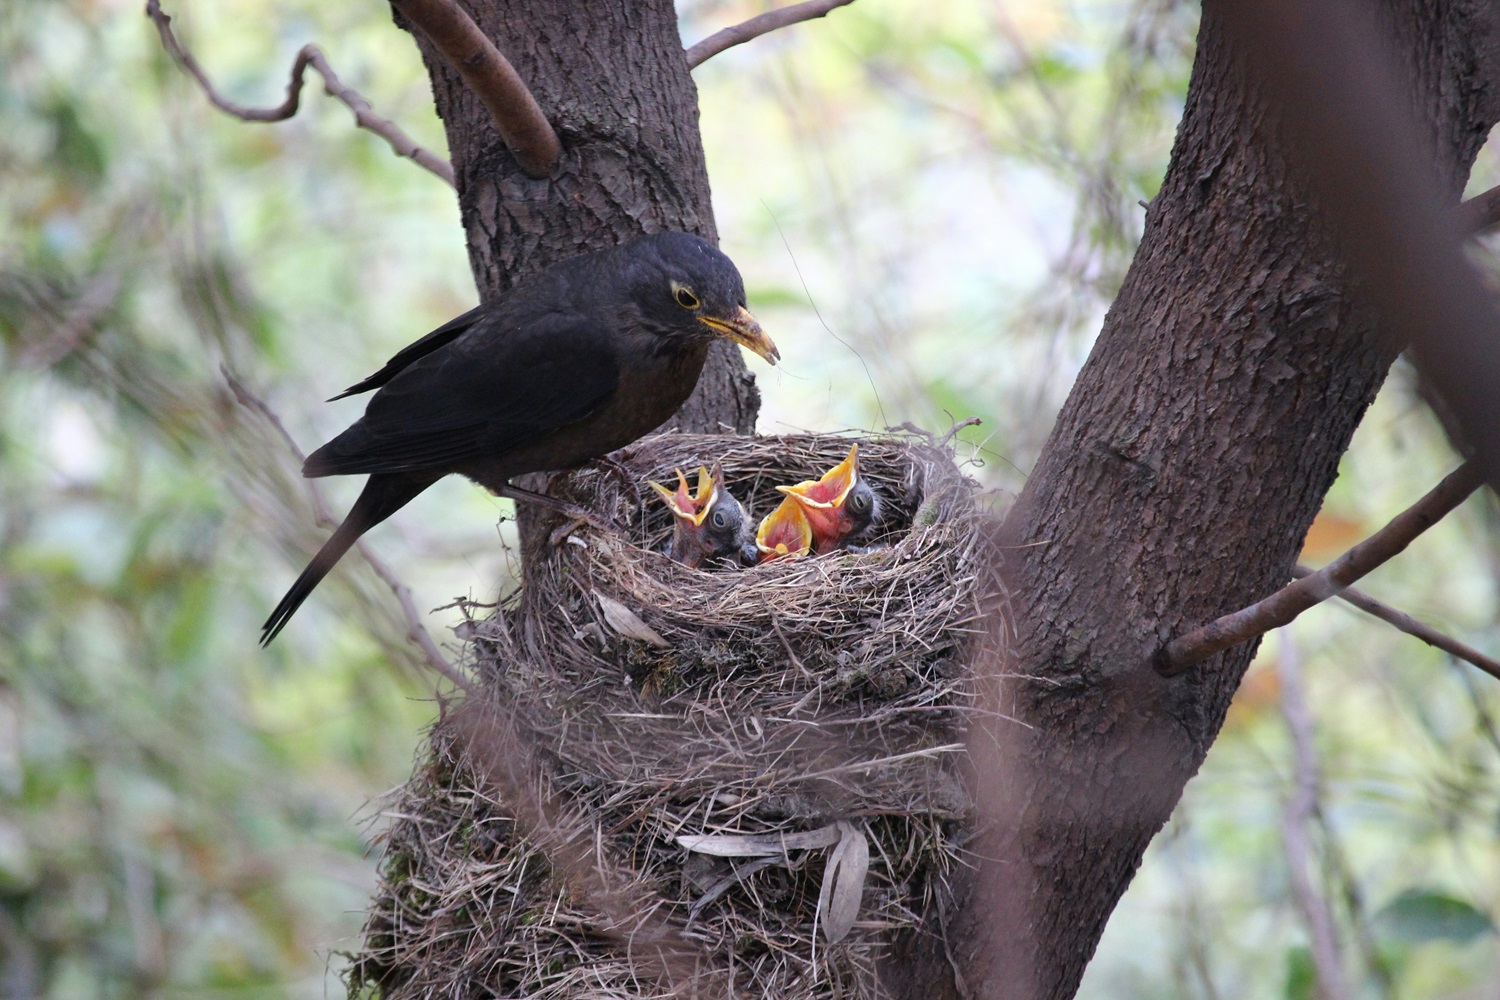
<point x="784" y="532"/>
<point x="709" y="526"/>
<point x="840" y="508"/>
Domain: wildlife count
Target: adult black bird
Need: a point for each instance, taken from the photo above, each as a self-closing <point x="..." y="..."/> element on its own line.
<point x="710" y="526"/>
<point x="574" y="362"/>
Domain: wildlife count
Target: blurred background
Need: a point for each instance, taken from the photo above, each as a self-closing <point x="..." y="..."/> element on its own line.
<point x="932" y="214"/>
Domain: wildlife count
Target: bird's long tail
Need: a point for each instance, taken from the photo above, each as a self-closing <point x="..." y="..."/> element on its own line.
<point x="382" y="496"/>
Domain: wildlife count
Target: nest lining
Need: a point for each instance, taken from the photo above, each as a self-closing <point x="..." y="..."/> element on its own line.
<point x="776" y="699"/>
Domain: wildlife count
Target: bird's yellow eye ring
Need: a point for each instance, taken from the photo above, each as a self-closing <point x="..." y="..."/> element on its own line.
<point x="684" y="296"/>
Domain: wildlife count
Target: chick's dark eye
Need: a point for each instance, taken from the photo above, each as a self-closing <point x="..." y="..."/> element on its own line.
<point x="860" y="502"/>
<point x="720" y="519"/>
<point x="685" y="297"/>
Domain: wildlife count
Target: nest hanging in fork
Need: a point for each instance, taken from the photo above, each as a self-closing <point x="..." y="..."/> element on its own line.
<point x="766" y="762"/>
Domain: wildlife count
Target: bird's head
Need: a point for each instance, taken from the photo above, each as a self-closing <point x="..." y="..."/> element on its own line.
<point x="709" y="525"/>
<point x="685" y="287"/>
<point x="839" y="507"/>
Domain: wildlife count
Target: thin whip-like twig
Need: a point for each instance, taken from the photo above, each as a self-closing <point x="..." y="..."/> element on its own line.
<point x="467" y="49"/>
<point x="1412" y="627"/>
<point x="1298" y="813"/>
<point x="1287" y="603"/>
<point x="415" y="630"/>
<point x="308" y="55"/>
<point x="759" y="25"/>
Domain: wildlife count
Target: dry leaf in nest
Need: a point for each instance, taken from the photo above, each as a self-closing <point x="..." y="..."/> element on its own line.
<point x="784" y="761"/>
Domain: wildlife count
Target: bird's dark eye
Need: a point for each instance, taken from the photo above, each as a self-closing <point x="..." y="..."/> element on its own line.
<point x="860" y="502"/>
<point x="720" y="519"/>
<point x="685" y="297"/>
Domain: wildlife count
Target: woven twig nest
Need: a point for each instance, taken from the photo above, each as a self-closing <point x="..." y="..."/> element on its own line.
<point x="763" y="765"/>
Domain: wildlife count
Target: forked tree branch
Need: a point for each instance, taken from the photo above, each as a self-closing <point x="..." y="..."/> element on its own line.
<point x="1189" y="650"/>
<point x="309" y="55"/>
<point x="758" y="25"/>
<point x="490" y="75"/>
<point x="1412" y="626"/>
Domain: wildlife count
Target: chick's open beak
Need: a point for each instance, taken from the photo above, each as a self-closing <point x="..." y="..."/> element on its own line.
<point x="784" y="532"/>
<point x="744" y="329"/>
<point x="686" y="506"/>
<point x="831" y="490"/>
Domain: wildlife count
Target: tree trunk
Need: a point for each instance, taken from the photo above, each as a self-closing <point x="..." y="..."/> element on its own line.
<point x="1178" y="484"/>
<point x="613" y="81"/>
<point x="1180" y="480"/>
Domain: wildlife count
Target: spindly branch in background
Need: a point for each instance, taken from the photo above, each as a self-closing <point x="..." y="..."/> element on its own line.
<point x="516" y="114"/>
<point x="415" y="630"/>
<point x="309" y="55"/>
<point x="758" y="25"/>
<point x="1298" y="814"/>
<point x="1412" y="627"/>
<point x="1187" y="651"/>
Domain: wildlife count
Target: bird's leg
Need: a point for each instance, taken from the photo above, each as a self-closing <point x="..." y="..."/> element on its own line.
<point x="572" y="510"/>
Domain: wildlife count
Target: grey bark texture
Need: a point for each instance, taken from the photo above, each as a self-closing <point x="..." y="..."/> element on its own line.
<point x="613" y="81"/>
<point x="1178" y="484"/>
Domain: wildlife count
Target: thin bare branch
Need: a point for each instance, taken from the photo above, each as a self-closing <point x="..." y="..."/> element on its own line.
<point x="1297" y="814"/>
<point x="759" y="25"/>
<point x="309" y="55"/>
<point x="1481" y="213"/>
<point x="516" y="114"/>
<point x="415" y="630"/>
<point x="1413" y="627"/>
<point x="1287" y="603"/>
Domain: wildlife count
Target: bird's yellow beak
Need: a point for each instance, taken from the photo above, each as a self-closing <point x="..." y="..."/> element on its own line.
<point x="784" y="532"/>
<point x="684" y="504"/>
<point x="744" y="329"/>
<point x="832" y="489"/>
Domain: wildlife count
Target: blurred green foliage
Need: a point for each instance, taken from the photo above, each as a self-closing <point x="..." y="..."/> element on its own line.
<point x="932" y="214"/>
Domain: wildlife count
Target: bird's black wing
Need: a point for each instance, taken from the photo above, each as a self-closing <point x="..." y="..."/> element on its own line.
<point x="505" y="385"/>
<point x="442" y="336"/>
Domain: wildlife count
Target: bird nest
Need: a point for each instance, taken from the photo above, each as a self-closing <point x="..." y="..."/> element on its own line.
<point x="742" y="781"/>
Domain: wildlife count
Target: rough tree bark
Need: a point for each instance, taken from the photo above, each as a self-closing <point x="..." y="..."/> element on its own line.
<point x="613" y="81"/>
<point x="1182" y="475"/>
<point x="1178" y="484"/>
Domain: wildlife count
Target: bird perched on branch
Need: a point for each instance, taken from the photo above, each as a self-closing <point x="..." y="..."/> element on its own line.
<point x="574" y="362"/>
<point x="840" y="507"/>
<point x="709" y="526"/>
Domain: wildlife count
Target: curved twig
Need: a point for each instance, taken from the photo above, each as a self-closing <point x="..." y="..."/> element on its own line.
<point x="415" y="630"/>
<point x="759" y="25"/>
<point x="490" y="75"/>
<point x="1412" y="626"/>
<point x="1188" y="650"/>
<point x="309" y="55"/>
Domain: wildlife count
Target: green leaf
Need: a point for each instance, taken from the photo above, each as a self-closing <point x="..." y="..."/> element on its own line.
<point x="1301" y="979"/>
<point x="1421" y="915"/>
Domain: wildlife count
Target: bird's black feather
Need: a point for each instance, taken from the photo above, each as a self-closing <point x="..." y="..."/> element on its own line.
<point x="573" y="362"/>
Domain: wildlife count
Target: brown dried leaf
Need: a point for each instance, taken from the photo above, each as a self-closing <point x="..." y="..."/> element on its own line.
<point x="626" y="622"/>
<point x="844" y="882"/>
